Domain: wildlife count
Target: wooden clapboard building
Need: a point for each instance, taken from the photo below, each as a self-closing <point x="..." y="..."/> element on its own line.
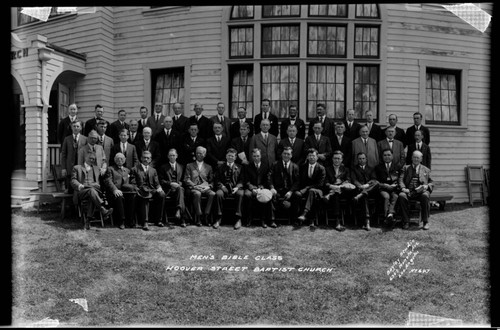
<point x="388" y="58"/>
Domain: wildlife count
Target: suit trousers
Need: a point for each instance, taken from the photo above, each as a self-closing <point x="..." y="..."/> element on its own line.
<point x="277" y="201"/>
<point x="425" y="205"/>
<point x="123" y="207"/>
<point x="311" y="195"/>
<point x="155" y="209"/>
<point x="265" y="209"/>
<point x="334" y="200"/>
<point x="196" y="195"/>
<point x="92" y="195"/>
<point x="390" y="199"/>
<point x="221" y="196"/>
<point x="178" y="195"/>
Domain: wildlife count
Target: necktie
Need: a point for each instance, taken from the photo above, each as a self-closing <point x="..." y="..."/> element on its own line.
<point x="102" y="140"/>
<point x="92" y="148"/>
<point x="157" y="118"/>
<point x="350" y="124"/>
<point x="147" y="144"/>
<point x="418" y="146"/>
<point x="242" y="121"/>
<point x="244" y="140"/>
<point x="369" y="127"/>
<point x="387" y="166"/>
<point x="292" y="142"/>
<point x="265" y="137"/>
<point x="339" y="138"/>
<point x="175" y="118"/>
<point x="123" y="148"/>
<point x="75" y="142"/>
<point x="286" y="167"/>
<point x="365" y="141"/>
<point x="132" y="136"/>
<point x="311" y="168"/>
<point x="168" y="133"/>
<point x="144" y="123"/>
<point x="221" y="119"/>
<point x="258" y="166"/>
<point x="318" y="137"/>
<point x="173" y="167"/>
<point x="194" y="140"/>
<point x="218" y="138"/>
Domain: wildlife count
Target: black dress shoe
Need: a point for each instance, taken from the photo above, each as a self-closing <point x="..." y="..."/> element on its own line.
<point x="122" y="226"/>
<point x="302" y="218"/>
<point x="145" y="227"/>
<point x="340" y="228"/>
<point x="264" y="224"/>
<point x="183" y="224"/>
<point x="273" y="224"/>
<point x="406" y="226"/>
<point x="160" y="224"/>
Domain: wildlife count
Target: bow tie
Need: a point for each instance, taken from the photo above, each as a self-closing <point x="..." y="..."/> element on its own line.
<point x="391" y="141"/>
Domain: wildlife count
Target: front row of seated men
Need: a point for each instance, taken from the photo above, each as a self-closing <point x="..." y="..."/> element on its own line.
<point x="256" y="186"/>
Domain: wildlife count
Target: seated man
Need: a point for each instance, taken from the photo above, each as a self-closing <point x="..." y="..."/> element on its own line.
<point x="255" y="181"/>
<point x="199" y="180"/>
<point x="284" y="182"/>
<point x="415" y="183"/>
<point x="387" y="175"/>
<point x="148" y="186"/>
<point x="312" y="180"/>
<point x="338" y="186"/>
<point x="228" y="180"/>
<point x="116" y="181"/>
<point x="85" y="183"/>
<point x="171" y="175"/>
<point x="363" y="177"/>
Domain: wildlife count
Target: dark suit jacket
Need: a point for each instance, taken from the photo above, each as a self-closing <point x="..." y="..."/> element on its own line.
<point x="371" y="152"/>
<point x="237" y="143"/>
<point x="425" y="150"/>
<point x="268" y="150"/>
<point x="254" y="178"/>
<point x="143" y="182"/>
<point x="181" y="125"/>
<point x="156" y="127"/>
<point x="204" y="125"/>
<point x="301" y="128"/>
<point x="343" y="176"/>
<point x="235" y="128"/>
<point x="188" y="149"/>
<point x="193" y="176"/>
<point x="115" y="179"/>
<point x="274" y="130"/>
<point x="235" y="180"/>
<point x="328" y="126"/>
<point x="317" y="181"/>
<point x="131" y="157"/>
<point x="114" y="130"/>
<point x="64" y="129"/>
<point x="141" y="126"/>
<point x="323" y="147"/>
<point x="226" y="126"/>
<point x="90" y="125"/>
<point x="345" y="146"/>
<point x="353" y="132"/>
<point x="400" y="135"/>
<point x="78" y="175"/>
<point x="424" y="176"/>
<point x="167" y="175"/>
<point x="137" y="137"/>
<point x="216" y="151"/>
<point x="398" y="151"/>
<point x="360" y="177"/>
<point x="376" y="133"/>
<point x="173" y="141"/>
<point x="387" y="177"/>
<point x="69" y="155"/>
<point x="276" y="176"/>
<point x="154" y="148"/>
<point x="410" y="134"/>
<point x="298" y="150"/>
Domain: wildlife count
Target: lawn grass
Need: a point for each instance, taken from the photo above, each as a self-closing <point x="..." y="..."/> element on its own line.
<point x="122" y="274"/>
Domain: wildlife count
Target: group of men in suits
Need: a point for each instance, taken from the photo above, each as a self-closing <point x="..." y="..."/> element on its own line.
<point x="163" y="138"/>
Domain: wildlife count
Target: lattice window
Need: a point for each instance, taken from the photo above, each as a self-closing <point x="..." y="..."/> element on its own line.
<point x="168" y="87"/>
<point x="326" y="40"/>
<point x="241" y="41"/>
<point x="326" y="84"/>
<point x="281" y="11"/>
<point x="442" y="105"/>
<point x="239" y="12"/>
<point x="282" y="40"/>
<point x="366" y="82"/>
<point x="280" y="84"/>
<point x="366" y="41"/>
<point x="241" y="79"/>
<point x="328" y="10"/>
<point x="369" y="10"/>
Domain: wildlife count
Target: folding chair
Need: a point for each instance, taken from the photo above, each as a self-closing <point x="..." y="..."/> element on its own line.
<point x="82" y="214"/>
<point x="475" y="179"/>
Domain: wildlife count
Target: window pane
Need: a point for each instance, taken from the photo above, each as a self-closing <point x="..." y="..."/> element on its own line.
<point x="328" y="10"/>
<point x="442" y="103"/>
<point x="242" y="12"/>
<point x="241" y="42"/>
<point x="282" y="89"/>
<point x="365" y="90"/>
<point x="241" y="89"/>
<point x="366" y="41"/>
<point x="281" y="11"/>
<point x="283" y="40"/>
<point x="323" y="40"/>
<point x="367" y="10"/>
<point x="168" y="88"/>
<point x="322" y="85"/>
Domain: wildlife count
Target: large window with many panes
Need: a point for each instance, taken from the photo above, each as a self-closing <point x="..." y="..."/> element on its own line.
<point x="305" y="55"/>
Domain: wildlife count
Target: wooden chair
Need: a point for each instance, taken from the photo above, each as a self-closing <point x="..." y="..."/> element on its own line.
<point x="476" y="184"/>
<point x="82" y="214"/>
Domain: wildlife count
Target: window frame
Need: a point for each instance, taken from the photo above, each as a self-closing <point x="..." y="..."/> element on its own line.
<point x="279" y="17"/>
<point x="362" y="25"/>
<point x="253" y="41"/>
<point x="328" y="16"/>
<point x="344" y="25"/>
<point x="263" y="26"/>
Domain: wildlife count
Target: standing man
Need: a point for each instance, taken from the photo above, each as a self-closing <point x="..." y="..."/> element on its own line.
<point x="156" y="120"/>
<point x="103" y="140"/>
<point x="351" y="126"/>
<point x="181" y="122"/>
<point x="171" y="175"/>
<point x="204" y="124"/>
<point x="85" y="183"/>
<point x="265" y="113"/>
<point x="365" y="145"/>
<point x="116" y="126"/>
<point x="242" y="145"/>
<point x="223" y="120"/>
<point x="400" y="133"/>
<point x="293" y="119"/>
<point x="283" y="178"/>
<point x="229" y="182"/>
<point x="321" y="143"/>
<point x="242" y="118"/>
<point x="326" y="122"/>
<point x="364" y="178"/>
<point x="337" y="186"/>
<point x="135" y="135"/>
<point x="92" y="146"/>
<point x="415" y="183"/>
<point x="342" y="143"/>
<point x="266" y="142"/>
<point x="199" y="180"/>
<point x="312" y="180"/>
<point x="143" y="120"/>
<point x="167" y="139"/>
<point x="417" y="125"/>
<point x="69" y="151"/>
<point x="374" y="131"/>
<point x="396" y="146"/>
<point x="387" y="174"/>
<point x="92" y="123"/>
<point x="148" y="186"/>
<point x="127" y="149"/>
<point x="216" y="147"/>
<point x="189" y="145"/>
<point x="118" y="179"/>
<point x="295" y="143"/>
<point x="147" y="144"/>
<point x="419" y="145"/>
<point x="65" y="125"/>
